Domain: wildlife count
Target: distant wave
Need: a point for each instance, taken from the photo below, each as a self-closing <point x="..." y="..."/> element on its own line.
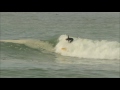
<point x="86" y="48"/>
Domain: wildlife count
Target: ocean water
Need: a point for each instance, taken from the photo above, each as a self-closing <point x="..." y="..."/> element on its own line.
<point x="33" y="45"/>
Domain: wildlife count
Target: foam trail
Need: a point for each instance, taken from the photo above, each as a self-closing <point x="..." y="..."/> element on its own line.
<point x="85" y="48"/>
<point x="36" y="44"/>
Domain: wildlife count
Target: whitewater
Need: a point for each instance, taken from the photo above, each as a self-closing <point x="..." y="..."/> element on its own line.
<point x="86" y="48"/>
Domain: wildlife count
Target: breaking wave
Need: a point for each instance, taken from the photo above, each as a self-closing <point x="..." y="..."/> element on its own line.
<point x="82" y="48"/>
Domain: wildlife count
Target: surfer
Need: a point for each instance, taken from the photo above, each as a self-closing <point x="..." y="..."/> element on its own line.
<point x="69" y="39"/>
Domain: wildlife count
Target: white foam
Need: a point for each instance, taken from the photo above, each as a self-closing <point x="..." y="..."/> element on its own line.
<point x="85" y="48"/>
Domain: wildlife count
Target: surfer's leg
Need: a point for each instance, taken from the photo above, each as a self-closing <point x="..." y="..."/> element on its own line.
<point x="71" y="40"/>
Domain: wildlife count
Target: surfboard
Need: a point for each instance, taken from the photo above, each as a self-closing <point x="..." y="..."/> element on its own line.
<point x="64" y="49"/>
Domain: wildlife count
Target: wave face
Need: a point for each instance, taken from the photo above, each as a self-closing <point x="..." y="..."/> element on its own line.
<point x="85" y="48"/>
<point x="35" y="44"/>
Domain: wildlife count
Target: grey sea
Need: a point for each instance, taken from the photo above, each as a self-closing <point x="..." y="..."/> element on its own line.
<point x="33" y="45"/>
